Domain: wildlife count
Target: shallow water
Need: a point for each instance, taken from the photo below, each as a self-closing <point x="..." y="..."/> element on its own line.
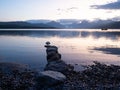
<point x="76" y="46"/>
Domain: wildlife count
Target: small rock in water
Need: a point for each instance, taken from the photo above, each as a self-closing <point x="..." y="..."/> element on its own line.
<point x="47" y="44"/>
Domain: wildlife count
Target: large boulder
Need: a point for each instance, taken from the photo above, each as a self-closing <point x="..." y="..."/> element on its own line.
<point x="59" y="66"/>
<point x="49" y="79"/>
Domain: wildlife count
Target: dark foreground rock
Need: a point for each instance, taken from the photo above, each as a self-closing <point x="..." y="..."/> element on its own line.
<point x="96" y="77"/>
<point x="10" y="67"/>
<point x="16" y="77"/>
<point x="50" y="79"/>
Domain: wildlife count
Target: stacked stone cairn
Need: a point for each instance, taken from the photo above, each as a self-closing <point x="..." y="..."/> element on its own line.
<point x="54" y="60"/>
<point x="54" y="74"/>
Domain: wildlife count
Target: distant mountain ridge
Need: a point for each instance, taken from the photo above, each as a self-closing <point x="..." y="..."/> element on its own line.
<point x="21" y="25"/>
<point x="38" y="21"/>
<point x="62" y="24"/>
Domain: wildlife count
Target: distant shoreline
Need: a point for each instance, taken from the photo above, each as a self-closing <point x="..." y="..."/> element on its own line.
<point x="51" y="29"/>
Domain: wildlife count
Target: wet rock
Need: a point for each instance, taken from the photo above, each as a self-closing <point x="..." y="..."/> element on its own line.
<point x="59" y="66"/>
<point x="96" y="77"/>
<point x="52" y="53"/>
<point x="52" y="48"/>
<point x="47" y="43"/>
<point x="53" y="57"/>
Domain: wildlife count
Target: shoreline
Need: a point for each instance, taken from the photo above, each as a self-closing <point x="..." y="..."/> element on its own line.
<point x="93" y="77"/>
<point x="58" y="75"/>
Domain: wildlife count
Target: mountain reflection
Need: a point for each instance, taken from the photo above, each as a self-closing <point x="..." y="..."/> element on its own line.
<point x="27" y="46"/>
<point x="114" y="35"/>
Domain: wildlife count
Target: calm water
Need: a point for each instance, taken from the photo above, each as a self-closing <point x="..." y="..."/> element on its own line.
<point x="76" y="46"/>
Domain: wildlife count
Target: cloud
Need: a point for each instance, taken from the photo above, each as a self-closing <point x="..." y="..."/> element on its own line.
<point x="113" y="5"/>
<point x="72" y="8"/>
<point x="67" y="10"/>
<point x="117" y="18"/>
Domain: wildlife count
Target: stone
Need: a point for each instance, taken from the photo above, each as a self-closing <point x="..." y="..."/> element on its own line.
<point x="53" y="57"/>
<point x="47" y="43"/>
<point x="52" y="53"/>
<point x="50" y="78"/>
<point x="0" y="88"/>
<point x="52" y="48"/>
<point x="59" y="66"/>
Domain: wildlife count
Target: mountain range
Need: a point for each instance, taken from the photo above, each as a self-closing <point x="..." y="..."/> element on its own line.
<point x="61" y="24"/>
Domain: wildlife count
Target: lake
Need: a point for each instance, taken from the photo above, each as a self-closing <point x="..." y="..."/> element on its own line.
<point x="77" y="46"/>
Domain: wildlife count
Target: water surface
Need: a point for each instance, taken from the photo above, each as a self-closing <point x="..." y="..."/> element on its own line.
<point x="76" y="46"/>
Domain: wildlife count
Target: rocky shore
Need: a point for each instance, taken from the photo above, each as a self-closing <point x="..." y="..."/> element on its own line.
<point x="58" y="75"/>
<point x="95" y="77"/>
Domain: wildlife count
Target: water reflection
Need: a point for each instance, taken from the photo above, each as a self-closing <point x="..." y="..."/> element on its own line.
<point x="67" y="34"/>
<point x="79" y="47"/>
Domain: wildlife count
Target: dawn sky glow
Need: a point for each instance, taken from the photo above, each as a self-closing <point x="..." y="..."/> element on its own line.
<point x="14" y="10"/>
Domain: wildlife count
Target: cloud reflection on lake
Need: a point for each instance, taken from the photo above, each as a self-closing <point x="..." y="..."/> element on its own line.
<point x="79" y="47"/>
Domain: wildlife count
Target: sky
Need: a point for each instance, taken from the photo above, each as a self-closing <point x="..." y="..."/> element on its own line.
<point x="20" y="10"/>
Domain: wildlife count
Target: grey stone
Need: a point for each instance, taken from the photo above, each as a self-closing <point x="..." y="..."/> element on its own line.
<point x="50" y="78"/>
<point x="52" y="48"/>
<point x="47" y="43"/>
<point x="59" y="66"/>
<point x="0" y="88"/>
<point x="53" y="57"/>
